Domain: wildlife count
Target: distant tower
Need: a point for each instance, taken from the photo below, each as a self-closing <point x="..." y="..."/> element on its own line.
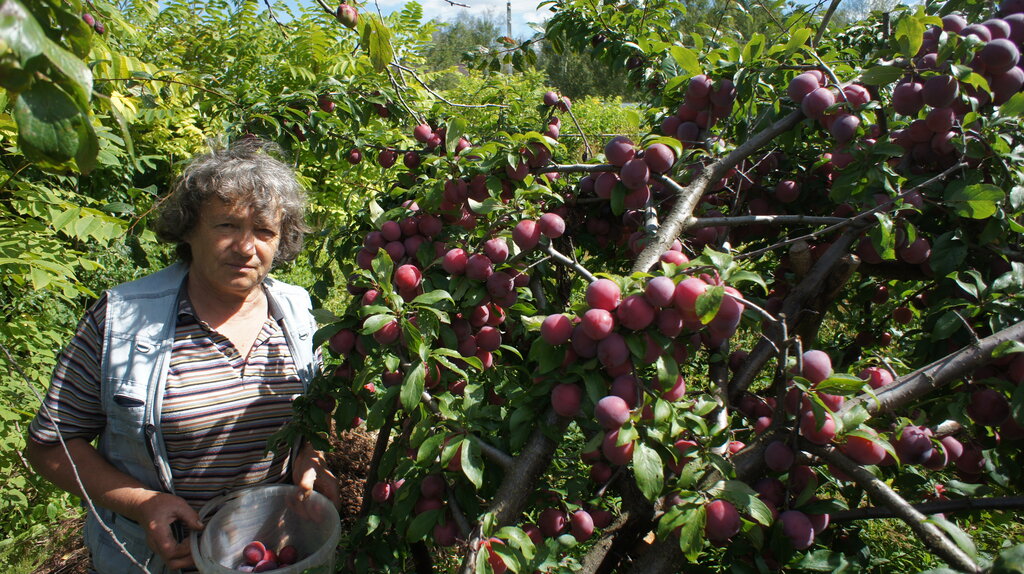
<point x="508" y="29"/>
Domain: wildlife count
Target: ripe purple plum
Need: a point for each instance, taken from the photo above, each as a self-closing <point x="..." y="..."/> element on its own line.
<point x="988" y="407"/>
<point x="940" y="91"/>
<point x="612" y="350"/>
<point x="603" y="294"/>
<point x="253" y="552"/>
<point x="817" y="366"/>
<point x="797" y="527"/>
<point x="635" y="312"/>
<point x="907" y="98"/>
<point x="408" y="277"/>
<point x="388" y="333"/>
<point x="856" y="95"/>
<point x="611" y="412"/>
<point x="556" y="329"/>
<point x="581" y="524"/>
<point x="723" y="521"/>
<point x="526" y="234"/>
<point x="615" y="453"/>
<point x="844" y="127"/>
<point x="552" y="521"/>
<point x="566" y="399"/>
<point x="778" y="456"/>
<point x="862" y="450"/>
<point x="787" y="191"/>
<point x="811" y="430"/>
<point x="659" y="158"/>
<point x="801" y="85"/>
<point x="676" y="391"/>
<point x="914" y="445"/>
<point x="686" y="295"/>
<point x="479" y="267"/>
<point x="619" y="150"/>
<point x="660" y="291"/>
<point x="496" y="249"/>
<point x="916" y="253"/>
<point x="597" y="323"/>
<point x="551" y="225"/>
<point x="381" y="492"/>
<point x="816" y="102"/>
<point x="635" y="174"/>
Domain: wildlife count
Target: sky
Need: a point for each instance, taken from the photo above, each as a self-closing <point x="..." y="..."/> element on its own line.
<point x="523" y="11"/>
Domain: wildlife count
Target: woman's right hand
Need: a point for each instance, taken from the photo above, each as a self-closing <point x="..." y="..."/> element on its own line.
<point x="157" y="515"/>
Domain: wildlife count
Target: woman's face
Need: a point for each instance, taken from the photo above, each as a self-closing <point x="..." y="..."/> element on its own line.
<point x="233" y="247"/>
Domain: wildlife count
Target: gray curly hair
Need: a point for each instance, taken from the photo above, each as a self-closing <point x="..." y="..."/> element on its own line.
<point x="246" y="173"/>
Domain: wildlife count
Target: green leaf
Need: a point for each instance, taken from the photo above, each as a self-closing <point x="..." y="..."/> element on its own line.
<point x="691" y="534"/>
<point x="978" y="201"/>
<point x="686" y="59"/>
<point x="421" y="524"/>
<point x="429" y="448"/>
<point x="1007" y="348"/>
<point x="745" y="499"/>
<point x="374" y="323"/>
<point x="881" y="75"/>
<point x="947" y="324"/>
<point x="797" y="39"/>
<point x="840" y="384"/>
<point x="650" y="473"/>
<point x="948" y="252"/>
<point x="910" y="34"/>
<point x="959" y="536"/>
<point x="412" y="387"/>
<point x="377" y="39"/>
<point x="52" y="129"/>
<point x="668" y="371"/>
<point x="708" y="303"/>
<point x="433" y="297"/>
<point x="456" y="129"/>
<point x="1014" y="106"/>
<point x="1017" y="405"/>
<point x="472" y="463"/>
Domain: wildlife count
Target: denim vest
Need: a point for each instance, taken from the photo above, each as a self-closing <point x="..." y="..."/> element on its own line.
<point x="139" y="335"/>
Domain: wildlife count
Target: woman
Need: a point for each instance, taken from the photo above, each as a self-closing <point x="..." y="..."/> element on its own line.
<point x="184" y="374"/>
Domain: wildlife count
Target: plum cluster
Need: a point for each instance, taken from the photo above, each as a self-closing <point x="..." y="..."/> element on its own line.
<point x="257" y="557"/>
<point x="935" y="93"/>
<point x="704" y="104"/>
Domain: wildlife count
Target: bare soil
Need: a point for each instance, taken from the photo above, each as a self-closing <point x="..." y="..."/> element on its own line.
<point x="349" y="460"/>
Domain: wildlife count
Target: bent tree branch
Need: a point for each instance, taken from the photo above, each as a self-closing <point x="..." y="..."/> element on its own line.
<point x="881" y="493"/>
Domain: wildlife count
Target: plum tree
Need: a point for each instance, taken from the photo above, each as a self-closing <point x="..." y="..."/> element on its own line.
<point x="667" y="333"/>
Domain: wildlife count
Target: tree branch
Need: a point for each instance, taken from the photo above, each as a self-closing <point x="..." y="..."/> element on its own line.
<point x="490" y="451"/>
<point x="513" y="493"/>
<point x="701" y="222"/>
<point x="689" y="196"/>
<point x="952" y="367"/>
<point x="934" y="507"/>
<point x="565" y="260"/>
<point x="439" y="96"/>
<point x="809" y="287"/>
<point x="881" y="493"/>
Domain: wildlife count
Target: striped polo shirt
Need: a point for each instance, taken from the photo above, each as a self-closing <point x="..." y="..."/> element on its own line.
<point x="218" y="411"/>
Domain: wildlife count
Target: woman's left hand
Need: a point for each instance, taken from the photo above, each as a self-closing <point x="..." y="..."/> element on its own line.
<point x="310" y="472"/>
